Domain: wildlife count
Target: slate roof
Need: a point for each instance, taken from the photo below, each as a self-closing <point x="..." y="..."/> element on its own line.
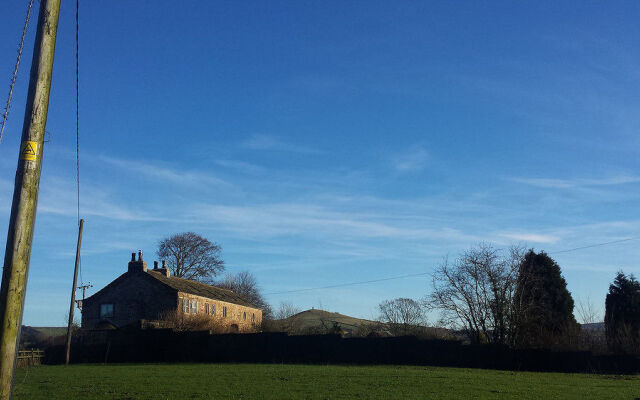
<point x="200" y="289"/>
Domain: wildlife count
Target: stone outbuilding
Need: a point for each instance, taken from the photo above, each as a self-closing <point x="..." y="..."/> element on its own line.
<point x="142" y="294"/>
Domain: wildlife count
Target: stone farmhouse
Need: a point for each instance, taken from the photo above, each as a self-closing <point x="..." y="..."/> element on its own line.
<point x="142" y="294"/>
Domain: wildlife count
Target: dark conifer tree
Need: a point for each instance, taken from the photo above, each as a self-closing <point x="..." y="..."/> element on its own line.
<point x="622" y="315"/>
<point x="543" y="307"/>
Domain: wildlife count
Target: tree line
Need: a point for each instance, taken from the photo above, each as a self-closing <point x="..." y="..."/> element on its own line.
<point x="519" y="299"/>
<point x="516" y="297"/>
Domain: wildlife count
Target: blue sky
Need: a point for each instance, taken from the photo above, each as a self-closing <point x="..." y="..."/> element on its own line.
<point x="329" y="142"/>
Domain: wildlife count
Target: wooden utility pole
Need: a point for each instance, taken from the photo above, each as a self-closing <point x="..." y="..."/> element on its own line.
<point x="73" y="294"/>
<point x="84" y="292"/>
<point x="25" y="195"/>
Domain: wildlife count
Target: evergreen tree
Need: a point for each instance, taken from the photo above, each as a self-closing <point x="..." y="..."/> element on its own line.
<point x="622" y="315"/>
<point x="543" y="307"/>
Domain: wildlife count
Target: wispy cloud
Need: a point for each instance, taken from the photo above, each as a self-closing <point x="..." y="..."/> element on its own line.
<point x="529" y="237"/>
<point x="103" y="247"/>
<point x="319" y="221"/>
<point x="240" y="166"/>
<point x="58" y="197"/>
<point x="413" y="160"/>
<point x="164" y="173"/>
<point x="273" y="143"/>
<point x="553" y="183"/>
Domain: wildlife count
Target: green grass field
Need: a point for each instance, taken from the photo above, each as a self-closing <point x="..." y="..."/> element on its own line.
<point x="252" y="381"/>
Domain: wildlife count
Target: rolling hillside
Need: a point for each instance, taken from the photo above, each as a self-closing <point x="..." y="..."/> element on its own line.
<point x="41" y="336"/>
<point x="321" y="322"/>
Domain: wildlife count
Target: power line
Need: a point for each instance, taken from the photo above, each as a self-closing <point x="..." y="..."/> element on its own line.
<point x="352" y="283"/>
<point x="594" y="245"/>
<point x="78" y="124"/>
<point x="77" y="113"/>
<point x="15" y="70"/>
<point x="428" y="273"/>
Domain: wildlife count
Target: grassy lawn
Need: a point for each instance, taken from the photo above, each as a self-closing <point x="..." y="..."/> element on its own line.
<point x="269" y="381"/>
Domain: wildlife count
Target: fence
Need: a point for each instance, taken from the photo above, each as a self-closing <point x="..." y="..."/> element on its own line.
<point x="29" y="358"/>
<point x="164" y="345"/>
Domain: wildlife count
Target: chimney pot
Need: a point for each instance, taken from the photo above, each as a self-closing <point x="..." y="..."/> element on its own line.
<point x="164" y="264"/>
<point x="155" y="265"/>
<point x="136" y="266"/>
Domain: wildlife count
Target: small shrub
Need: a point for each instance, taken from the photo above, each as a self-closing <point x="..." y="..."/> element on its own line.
<point x="190" y="322"/>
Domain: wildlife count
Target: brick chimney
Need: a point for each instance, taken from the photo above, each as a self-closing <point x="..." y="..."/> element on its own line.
<point x="164" y="270"/>
<point x="137" y="266"/>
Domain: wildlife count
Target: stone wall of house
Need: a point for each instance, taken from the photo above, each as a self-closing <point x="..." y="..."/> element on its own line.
<point x="135" y="297"/>
<point x="246" y="319"/>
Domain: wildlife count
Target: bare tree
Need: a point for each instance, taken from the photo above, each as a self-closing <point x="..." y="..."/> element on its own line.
<point x="587" y="312"/>
<point x="282" y="319"/>
<point x="476" y="293"/>
<point x="592" y="336"/>
<point x="286" y="310"/>
<point x="191" y="256"/>
<point x="245" y="285"/>
<point x="403" y="316"/>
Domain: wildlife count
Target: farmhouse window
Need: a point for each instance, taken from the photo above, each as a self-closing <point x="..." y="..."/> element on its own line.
<point x="185" y="306"/>
<point x="106" y="310"/>
<point x="224" y="311"/>
<point x="213" y="309"/>
<point x="194" y="306"/>
<point x="244" y="316"/>
<point x="253" y="318"/>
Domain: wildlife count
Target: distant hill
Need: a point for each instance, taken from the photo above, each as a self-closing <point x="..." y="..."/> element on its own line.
<point x="41" y="336"/>
<point x="51" y="331"/>
<point x="597" y="326"/>
<point x="321" y="322"/>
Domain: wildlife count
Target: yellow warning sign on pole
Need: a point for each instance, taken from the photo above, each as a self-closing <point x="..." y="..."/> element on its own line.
<point x="28" y="150"/>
